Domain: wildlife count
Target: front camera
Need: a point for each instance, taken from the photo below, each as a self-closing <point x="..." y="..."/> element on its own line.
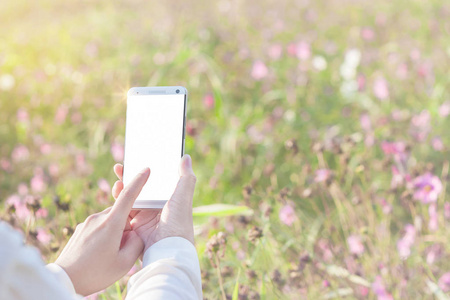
<point x="178" y="91"/>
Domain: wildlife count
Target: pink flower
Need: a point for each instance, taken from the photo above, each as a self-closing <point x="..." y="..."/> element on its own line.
<point x="42" y="213"/>
<point x="380" y="89"/>
<point x="292" y="49"/>
<point x="22" y="115"/>
<point x="22" y="189"/>
<point x="21" y="210"/>
<point x="5" y="164"/>
<point x="386" y="207"/>
<point x="325" y="283"/>
<point x="103" y="185"/>
<point x="405" y="243"/>
<point x="259" y="70"/>
<point x="361" y="80"/>
<point x="433" y="222"/>
<point x="275" y="51"/>
<point x="53" y="170"/>
<point x="38" y="183"/>
<point x="447" y="210"/>
<point x="397" y="178"/>
<point x="434" y="252"/>
<point x="20" y="153"/>
<point x="43" y="236"/>
<point x="303" y="51"/>
<point x="208" y="101"/>
<point x="366" y="124"/>
<point x="117" y="151"/>
<point x="61" y="114"/>
<point x="287" y="215"/>
<point x="444" y="282"/>
<point x="396" y="149"/>
<point x="402" y="71"/>
<point x="322" y="175"/>
<point x="380" y="290"/>
<point x="421" y="125"/>
<point x="46" y="148"/>
<point x="355" y="244"/>
<point x="444" y="109"/>
<point x="427" y="188"/>
<point x="367" y="34"/>
<point x="437" y="144"/>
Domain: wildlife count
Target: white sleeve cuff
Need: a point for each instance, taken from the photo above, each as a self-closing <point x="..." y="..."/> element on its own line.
<point x="61" y="276"/>
<point x="170" y="247"/>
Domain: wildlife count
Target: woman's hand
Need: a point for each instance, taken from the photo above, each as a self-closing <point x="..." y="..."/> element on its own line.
<point x="104" y="247"/>
<point x="175" y="219"/>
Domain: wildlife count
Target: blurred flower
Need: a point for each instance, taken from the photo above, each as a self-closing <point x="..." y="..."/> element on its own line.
<point x="361" y="80"/>
<point x="380" y="89"/>
<point x="255" y="233"/>
<point x="303" y="50"/>
<point x="350" y="64"/>
<point x="322" y="175"/>
<point x="444" y="282"/>
<point x="7" y="82"/>
<point x="21" y="210"/>
<point x="5" y="164"/>
<point x="421" y="125"/>
<point x="355" y="244"/>
<point x="259" y="70"/>
<point x="319" y="63"/>
<point x="402" y="71"/>
<point x="325" y="283"/>
<point x="425" y="70"/>
<point x="380" y="290"/>
<point x="22" y="189"/>
<point x="117" y="151"/>
<point x="20" y="153"/>
<point x="275" y="51"/>
<point x="76" y="118"/>
<point x="45" y="148"/>
<point x="38" y="183"/>
<point x="208" y="101"/>
<point x="365" y="122"/>
<point x="444" y="109"/>
<point x="434" y="252"/>
<point x="53" y="170"/>
<point x="437" y="144"/>
<point x="433" y="222"/>
<point x="43" y="236"/>
<point x="386" y="207"/>
<point x="91" y="49"/>
<point x="22" y="115"/>
<point x="396" y="149"/>
<point x="287" y="215"/>
<point x="427" y="188"/>
<point x="42" y="213"/>
<point x="367" y="34"/>
<point x="103" y="185"/>
<point x="61" y="114"/>
<point x="447" y="210"/>
<point x="405" y="243"/>
<point x="215" y="244"/>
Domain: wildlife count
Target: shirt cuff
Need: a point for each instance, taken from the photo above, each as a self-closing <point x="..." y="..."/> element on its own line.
<point x="168" y="248"/>
<point x="62" y="276"/>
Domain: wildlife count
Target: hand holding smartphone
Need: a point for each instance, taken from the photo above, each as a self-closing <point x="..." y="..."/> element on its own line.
<point x="154" y="138"/>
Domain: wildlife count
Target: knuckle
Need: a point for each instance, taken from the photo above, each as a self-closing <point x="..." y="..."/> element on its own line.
<point x="191" y="178"/>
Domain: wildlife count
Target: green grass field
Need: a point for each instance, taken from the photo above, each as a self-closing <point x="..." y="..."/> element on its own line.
<point x="323" y="125"/>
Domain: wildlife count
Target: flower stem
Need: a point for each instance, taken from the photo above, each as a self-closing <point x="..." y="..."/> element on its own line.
<point x="224" y="297"/>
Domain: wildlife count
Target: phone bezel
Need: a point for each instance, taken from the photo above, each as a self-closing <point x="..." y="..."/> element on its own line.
<point x="157" y="90"/>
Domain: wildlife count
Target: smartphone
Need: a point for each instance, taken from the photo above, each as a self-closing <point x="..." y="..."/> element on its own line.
<point x="154" y="138"/>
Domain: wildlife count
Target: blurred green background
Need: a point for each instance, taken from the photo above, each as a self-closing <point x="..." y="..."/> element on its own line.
<point x="292" y="106"/>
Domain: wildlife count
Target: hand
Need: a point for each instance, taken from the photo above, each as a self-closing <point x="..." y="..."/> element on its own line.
<point x="175" y="219"/>
<point x="104" y="248"/>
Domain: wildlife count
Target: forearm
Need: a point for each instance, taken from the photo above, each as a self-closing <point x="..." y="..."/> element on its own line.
<point x="171" y="271"/>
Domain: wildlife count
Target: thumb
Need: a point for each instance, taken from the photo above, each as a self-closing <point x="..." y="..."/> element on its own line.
<point x="132" y="247"/>
<point x="186" y="185"/>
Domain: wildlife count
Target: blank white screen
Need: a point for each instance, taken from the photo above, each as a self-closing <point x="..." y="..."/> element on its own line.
<point x="154" y="138"/>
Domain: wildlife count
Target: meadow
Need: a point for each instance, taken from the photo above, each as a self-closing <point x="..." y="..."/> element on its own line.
<point x="319" y="133"/>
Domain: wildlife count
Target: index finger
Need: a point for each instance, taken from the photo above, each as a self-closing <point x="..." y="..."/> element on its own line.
<point x="122" y="207"/>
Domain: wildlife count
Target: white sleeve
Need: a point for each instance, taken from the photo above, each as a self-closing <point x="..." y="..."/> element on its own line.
<point x="170" y="271"/>
<point x="23" y="274"/>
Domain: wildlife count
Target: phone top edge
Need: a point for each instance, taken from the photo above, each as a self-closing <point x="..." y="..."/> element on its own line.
<point x="157" y="90"/>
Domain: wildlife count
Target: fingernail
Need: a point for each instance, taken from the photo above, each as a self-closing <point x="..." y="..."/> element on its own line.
<point x="145" y="171"/>
<point x="188" y="161"/>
